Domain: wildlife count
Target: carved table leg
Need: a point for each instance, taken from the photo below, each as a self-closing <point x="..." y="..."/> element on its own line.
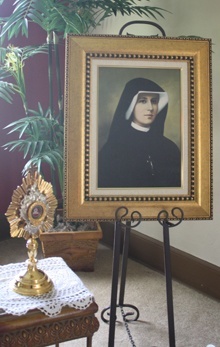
<point x="89" y="341"/>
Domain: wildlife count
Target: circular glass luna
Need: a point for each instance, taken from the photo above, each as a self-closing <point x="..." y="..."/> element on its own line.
<point x="36" y="212"/>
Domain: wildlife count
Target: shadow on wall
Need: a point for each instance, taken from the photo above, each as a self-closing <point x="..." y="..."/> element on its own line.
<point x="4" y="228"/>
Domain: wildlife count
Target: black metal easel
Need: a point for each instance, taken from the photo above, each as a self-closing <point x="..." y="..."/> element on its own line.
<point x="144" y="22"/>
<point x="134" y="313"/>
<point x="163" y="220"/>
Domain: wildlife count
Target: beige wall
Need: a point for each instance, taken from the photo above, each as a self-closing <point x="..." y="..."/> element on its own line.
<point x="191" y="17"/>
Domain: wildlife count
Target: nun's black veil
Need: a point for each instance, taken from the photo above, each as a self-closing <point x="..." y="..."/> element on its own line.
<point x="132" y="158"/>
<point x="120" y="124"/>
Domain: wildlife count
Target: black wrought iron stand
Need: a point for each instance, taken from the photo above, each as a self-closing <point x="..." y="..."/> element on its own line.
<point x="133" y="314"/>
<point x="163" y="220"/>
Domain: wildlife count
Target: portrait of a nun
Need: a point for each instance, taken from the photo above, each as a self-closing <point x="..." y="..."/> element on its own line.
<point x="136" y="153"/>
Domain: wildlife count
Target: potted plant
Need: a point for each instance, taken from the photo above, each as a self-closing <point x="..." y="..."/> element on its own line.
<point x="75" y="242"/>
<point x="40" y="131"/>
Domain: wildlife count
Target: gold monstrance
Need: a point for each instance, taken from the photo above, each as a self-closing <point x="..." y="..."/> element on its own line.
<point x="31" y="212"/>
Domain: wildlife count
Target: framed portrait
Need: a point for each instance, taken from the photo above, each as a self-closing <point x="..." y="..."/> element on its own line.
<point x="137" y="127"/>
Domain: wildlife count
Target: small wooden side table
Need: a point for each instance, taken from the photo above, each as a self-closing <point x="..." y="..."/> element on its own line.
<point x="35" y="329"/>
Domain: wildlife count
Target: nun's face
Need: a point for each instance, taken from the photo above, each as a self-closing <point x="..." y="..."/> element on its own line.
<point x="146" y="109"/>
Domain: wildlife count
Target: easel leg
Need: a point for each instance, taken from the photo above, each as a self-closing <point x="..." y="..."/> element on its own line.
<point x="115" y="274"/>
<point x="169" y="289"/>
<point x="124" y="263"/>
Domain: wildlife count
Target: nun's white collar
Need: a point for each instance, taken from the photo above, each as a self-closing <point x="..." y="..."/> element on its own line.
<point x="139" y="127"/>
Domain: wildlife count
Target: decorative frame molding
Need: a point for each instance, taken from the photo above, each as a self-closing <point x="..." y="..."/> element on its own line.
<point x="191" y="58"/>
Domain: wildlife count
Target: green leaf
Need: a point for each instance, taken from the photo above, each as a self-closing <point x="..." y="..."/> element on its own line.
<point x="13" y="145"/>
<point x="33" y="146"/>
<point x="34" y="162"/>
<point x="6" y="91"/>
<point x="47" y="159"/>
<point x="39" y="148"/>
<point x="73" y="16"/>
<point x="17" y="127"/>
<point x="24" y="128"/>
<point x="25" y="27"/>
<point x="26" y="149"/>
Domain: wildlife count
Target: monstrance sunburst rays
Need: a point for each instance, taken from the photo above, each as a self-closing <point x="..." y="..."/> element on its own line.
<point x="20" y="213"/>
<point x="31" y="212"/>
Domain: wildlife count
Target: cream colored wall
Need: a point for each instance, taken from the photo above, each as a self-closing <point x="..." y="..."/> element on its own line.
<point x="191" y="17"/>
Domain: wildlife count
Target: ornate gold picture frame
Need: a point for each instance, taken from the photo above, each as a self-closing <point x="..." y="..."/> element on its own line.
<point x="97" y="70"/>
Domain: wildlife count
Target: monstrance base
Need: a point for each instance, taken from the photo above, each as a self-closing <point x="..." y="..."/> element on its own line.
<point x="33" y="283"/>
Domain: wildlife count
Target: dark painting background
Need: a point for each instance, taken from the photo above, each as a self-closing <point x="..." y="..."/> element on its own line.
<point x="111" y="84"/>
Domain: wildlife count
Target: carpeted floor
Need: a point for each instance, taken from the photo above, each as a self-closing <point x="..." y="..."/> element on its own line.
<point x="197" y="317"/>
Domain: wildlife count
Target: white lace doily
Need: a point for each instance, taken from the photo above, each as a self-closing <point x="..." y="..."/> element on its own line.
<point x="68" y="289"/>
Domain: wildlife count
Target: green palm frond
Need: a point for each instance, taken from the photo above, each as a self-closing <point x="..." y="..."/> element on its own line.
<point x="12" y="65"/>
<point x="32" y="147"/>
<point x="73" y="16"/>
<point x="6" y="91"/>
<point x="53" y="158"/>
<point x="40" y="139"/>
<point x="37" y="128"/>
<point x="106" y="8"/>
<point x="22" y="53"/>
<point x="24" y="11"/>
<point x="64" y="18"/>
<point x="48" y="14"/>
<point x="30" y="51"/>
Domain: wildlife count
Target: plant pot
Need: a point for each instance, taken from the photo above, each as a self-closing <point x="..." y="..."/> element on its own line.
<point x="77" y="248"/>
